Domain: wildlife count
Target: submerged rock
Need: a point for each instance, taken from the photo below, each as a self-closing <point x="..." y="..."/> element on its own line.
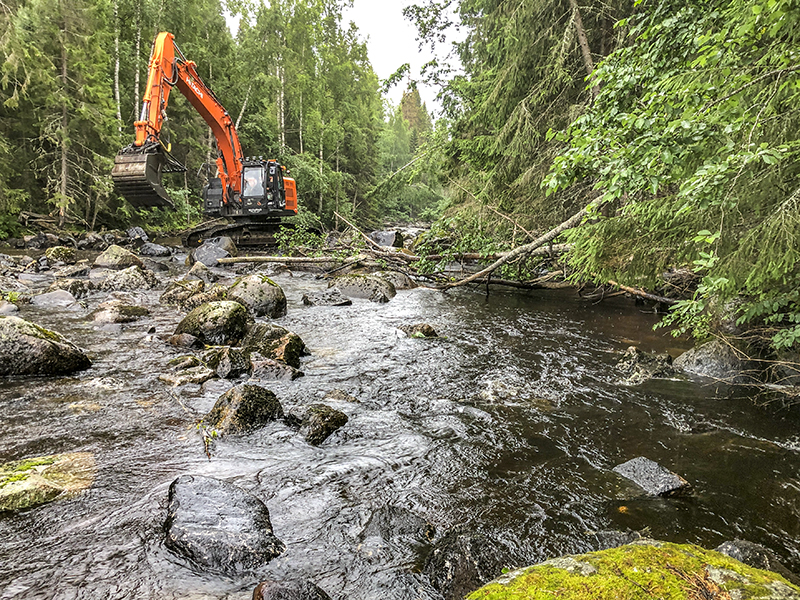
<point x="302" y="590"/>
<point x="420" y="330"/>
<point x="27" y="349"/>
<point x="244" y="408"/>
<point x="638" y="367"/>
<point x="652" y="477"/>
<point x="218" y="526"/>
<point x="644" y="569"/>
<point x="132" y="278"/>
<point x="317" y="422"/>
<point x="117" y="258"/>
<point x="259" y="295"/>
<point x="715" y="360"/>
<point x="211" y="250"/>
<point x="462" y="561"/>
<point x="216" y="323"/>
<point x="268" y="368"/>
<point x="34" y="481"/>
<point x="277" y="343"/>
<point x="370" y="287"/>
<point x="330" y="297"/>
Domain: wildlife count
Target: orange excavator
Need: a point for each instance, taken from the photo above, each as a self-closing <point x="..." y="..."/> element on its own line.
<point x="248" y="196"/>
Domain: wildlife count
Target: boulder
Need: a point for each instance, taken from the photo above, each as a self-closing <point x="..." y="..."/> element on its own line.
<point x="297" y="590"/>
<point x="34" y="481"/>
<point x="316" y="422"/>
<point x="216" y="323"/>
<point x="202" y="272"/>
<point x="392" y="239"/>
<point x="399" y="280"/>
<point x="757" y="556"/>
<point x="219" y="527"/>
<point x="70" y="271"/>
<point x="259" y="295"/>
<point x="191" y="376"/>
<point x="643" y="569"/>
<point x="330" y="297"/>
<point x="715" y="360"/>
<point x="8" y="308"/>
<point x="228" y="362"/>
<point x="215" y="294"/>
<point x="364" y="286"/>
<point x="79" y="288"/>
<point x="63" y="254"/>
<point x="242" y="409"/>
<point x="55" y="299"/>
<point x="638" y="367"/>
<point x="462" y="561"/>
<point x="179" y="292"/>
<point x="151" y="249"/>
<point x="137" y="236"/>
<point x="211" y="250"/>
<point x="132" y="278"/>
<point x="117" y="258"/>
<point x="420" y="330"/>
<point x="268" y="368"/>
<point x="274" y="342"/>
<point x="27" y="349"/>
<point x="652" y="477"/>
<point x="118" y="310"/>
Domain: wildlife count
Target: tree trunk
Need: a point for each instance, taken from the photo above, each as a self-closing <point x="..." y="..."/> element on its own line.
<point x="584" y="44"/>
<point x="63" y="187"/>
<point x="301" y="123"/>
<point x="321" y="136"/>
<point x="281" y="113"/>
<point x="137" y="59"/>
<point x="116" y="66"/>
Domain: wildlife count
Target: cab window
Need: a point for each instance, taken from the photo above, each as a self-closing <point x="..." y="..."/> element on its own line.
<point x="253" y="182"/>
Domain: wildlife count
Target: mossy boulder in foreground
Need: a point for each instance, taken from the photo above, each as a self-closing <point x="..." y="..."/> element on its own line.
<point x="27" y="349"/>
<point x="260" y="295"/>
<point x="644" y="569"/>
<point x="33" y="481"/>
<point x="217" y="323"/>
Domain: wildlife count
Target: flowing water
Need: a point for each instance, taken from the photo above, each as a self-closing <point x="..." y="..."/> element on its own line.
<point x="509" y="426"/>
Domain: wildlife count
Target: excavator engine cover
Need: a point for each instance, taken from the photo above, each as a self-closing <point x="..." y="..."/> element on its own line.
<point x="137" y="177"/>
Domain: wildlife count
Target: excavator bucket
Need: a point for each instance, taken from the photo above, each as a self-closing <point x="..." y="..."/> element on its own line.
<point x="137" y="177"/>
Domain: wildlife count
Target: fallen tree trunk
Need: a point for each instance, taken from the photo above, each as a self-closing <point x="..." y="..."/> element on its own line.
<point x="643" y="294"/>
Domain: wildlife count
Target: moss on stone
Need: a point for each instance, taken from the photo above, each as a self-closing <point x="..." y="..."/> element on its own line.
<point x="640" y="570"/>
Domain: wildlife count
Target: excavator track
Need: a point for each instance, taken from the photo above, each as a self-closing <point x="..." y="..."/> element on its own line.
<point x="247" y="233"/>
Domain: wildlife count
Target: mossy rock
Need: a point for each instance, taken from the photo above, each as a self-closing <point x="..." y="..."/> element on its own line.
<point x="243" y="408"/>
<point x="644" y="569"/>
<point x="179" y="292"/>
<point x="277" y="343"/>
<point x="132" y="278"/>
<point x="28" y="349"/>
<point x="260" y="295"/>
<point x="118" y="258"/>
<point x="63" y="254"/>
<point x="216" y="323"/>
<point x="34" y="481"/>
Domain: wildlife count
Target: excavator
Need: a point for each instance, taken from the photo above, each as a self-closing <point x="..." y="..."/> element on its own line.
<point x="249" y="194"/>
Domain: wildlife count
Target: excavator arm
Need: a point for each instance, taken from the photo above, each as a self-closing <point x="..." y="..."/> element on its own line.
<point x="138" y="167"/>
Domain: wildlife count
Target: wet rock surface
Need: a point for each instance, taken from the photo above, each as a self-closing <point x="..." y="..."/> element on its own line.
<point x="54" y="299"/>
<point x="316" y="422"/>
<point x="42" y="479"/>
<point x="261" y="296"/>
<point x="179" y="292"/>
<point x="242" y="409"/>
<point x="211" y="250"/>
<point x="117" y="258"/>
<point x="119" y="309"/>
<point x="653" y="478"/>
<point x="419" y="330"/>
<point x="219" y="323"/>
<point x="387" y="238"/>
<point x="716" y="360"/>
<point x="637" y="367"/>
<point x="399" y="280"/>
<point x="369" y="287"/>
<point x="132" y="278"/>
<point x="151" y="249"/>
<point x="27" y="349"/>
<point x="330" y="297"/>
<point x="301" y="590"/>
<point x="219" y="527"/>
<point x="277" y="343"/>
<point x="262" y="367"/>
<point x="757" y="556"/>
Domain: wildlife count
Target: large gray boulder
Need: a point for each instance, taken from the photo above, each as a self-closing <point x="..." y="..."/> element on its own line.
<point x="211" y="250"/>
<point x="219" y="527"/>
<point x="34" y="481"/>
<point x="652" y="477"/>
<point x="151" y="249"/>
<point x="242" y="409"/>
<point x="216" y="323"/>
<point x="277" y="343"/>
<point x="54" y="299"/>
<point x="132" y="278"/>
<point x="27" y="349"/>
<point x="370" y="287"/>
<point x="117" y="258"/>
<point x="716" y="360"/>
<point x="391" y="239"/>
<point x="259" y="295"/>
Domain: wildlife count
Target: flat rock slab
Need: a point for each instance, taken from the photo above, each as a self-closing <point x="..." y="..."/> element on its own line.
<point x="643" y="569"/>
<point x="652" y="477"/>
<point x="218" y="526"/>
<point x="34" y="481"/>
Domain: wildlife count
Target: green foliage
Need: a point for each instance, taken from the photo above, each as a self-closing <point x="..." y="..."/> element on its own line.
<point x="693" y="145"/>
<point x="302" y="232"/>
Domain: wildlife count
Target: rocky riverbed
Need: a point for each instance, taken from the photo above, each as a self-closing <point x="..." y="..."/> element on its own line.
<point x="356" y="450"/>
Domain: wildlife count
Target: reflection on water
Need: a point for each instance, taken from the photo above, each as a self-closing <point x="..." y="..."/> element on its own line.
<point x="509" y="425"/>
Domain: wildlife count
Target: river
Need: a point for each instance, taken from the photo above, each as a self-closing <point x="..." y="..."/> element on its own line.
<point x="509" y="425"/>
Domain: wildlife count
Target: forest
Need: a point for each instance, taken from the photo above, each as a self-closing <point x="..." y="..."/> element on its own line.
<point x="674" y="123"/>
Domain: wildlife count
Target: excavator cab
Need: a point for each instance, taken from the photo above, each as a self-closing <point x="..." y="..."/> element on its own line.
<point x="137" y="175"/>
